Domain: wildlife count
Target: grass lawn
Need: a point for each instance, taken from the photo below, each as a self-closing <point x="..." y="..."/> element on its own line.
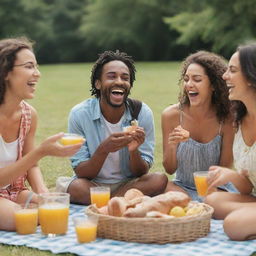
<point x="63" y="86"/>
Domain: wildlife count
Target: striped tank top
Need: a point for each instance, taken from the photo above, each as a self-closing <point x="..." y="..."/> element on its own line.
<point x="194" y="156"/>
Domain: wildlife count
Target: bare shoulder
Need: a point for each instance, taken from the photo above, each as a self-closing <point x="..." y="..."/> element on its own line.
<point x="172" y="111"/>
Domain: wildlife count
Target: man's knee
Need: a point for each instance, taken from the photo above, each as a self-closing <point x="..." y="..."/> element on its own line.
<point x="158" y="182"/>
<point x="79" y="191"/>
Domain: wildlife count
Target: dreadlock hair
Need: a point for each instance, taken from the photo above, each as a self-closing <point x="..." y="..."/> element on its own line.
<point x="106" y="57"/>
<point x="214" y="66"/>
<point x="8" y="50"/>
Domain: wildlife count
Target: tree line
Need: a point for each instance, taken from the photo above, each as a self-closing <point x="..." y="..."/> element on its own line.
<point x="149" y="30"/>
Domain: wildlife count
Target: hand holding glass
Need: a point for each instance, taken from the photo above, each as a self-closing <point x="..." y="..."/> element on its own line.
<point x="200" y="179"/>
<point x="71" y="139"/>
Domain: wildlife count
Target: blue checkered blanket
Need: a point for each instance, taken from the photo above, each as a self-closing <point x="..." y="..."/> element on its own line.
<point x="216" y="243"/>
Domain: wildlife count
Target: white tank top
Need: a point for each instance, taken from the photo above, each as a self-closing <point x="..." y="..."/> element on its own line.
<point x="8" y="153"/>
<point x="111" y="167"/>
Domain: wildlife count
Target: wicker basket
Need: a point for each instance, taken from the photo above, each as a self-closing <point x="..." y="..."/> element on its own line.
<point x="153" y="230"/>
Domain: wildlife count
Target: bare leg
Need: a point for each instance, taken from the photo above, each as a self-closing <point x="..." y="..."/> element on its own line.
<point x="173" y="187"/>
<point x="7" y="221"/>
<point x="240" y="224"/>
<point x="79" y="191"/>
<point x="150" y="184"/>
<point x="225" y="203"/>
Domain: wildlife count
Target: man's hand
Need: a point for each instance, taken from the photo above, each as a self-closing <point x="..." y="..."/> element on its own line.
<point x="116" y="141"/>
<point x="138" y="136"/>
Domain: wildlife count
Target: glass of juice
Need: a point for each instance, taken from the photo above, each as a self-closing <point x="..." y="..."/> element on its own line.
<point x="26" y="219"/>
<point x="53" y="213"/>
<point x="100" y="195"/>
<point x="71" y="139"/>
<point x="200" y="179"/>
<point x="86" y="228"/>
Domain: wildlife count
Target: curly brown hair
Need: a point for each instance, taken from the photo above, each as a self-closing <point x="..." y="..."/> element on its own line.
<point x="8" y="50"/>
<point x="214" y="66"/>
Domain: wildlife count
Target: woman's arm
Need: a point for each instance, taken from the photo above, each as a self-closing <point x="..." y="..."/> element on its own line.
<point x="228" y="132"/>
<point x="170" y="120"/>
<point x="35" y="178"/>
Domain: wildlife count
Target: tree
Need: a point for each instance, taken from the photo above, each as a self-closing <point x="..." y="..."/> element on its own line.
<point x="221" y="25"/>
<point x="134" y="26"/>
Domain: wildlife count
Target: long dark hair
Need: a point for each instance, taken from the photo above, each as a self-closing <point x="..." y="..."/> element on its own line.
<point x="8" y="50"/>
<point x="214" y="66"/>
<point x="247" y="59"/>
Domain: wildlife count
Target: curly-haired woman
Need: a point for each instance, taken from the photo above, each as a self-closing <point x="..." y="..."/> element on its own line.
<point x="203" y="113"/>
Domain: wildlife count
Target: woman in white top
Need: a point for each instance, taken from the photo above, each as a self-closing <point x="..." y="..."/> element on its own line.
<point x="19" y="75"/>
<point x="238" y="210"/>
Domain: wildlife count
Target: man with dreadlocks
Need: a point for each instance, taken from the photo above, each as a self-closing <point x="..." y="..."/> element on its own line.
<point x="108" y="158"/>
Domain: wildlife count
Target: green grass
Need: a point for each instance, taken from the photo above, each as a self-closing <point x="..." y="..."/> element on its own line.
<point x="63" y="86"/>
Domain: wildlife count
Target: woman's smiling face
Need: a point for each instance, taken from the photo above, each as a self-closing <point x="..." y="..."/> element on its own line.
<point x="197" y="85"/>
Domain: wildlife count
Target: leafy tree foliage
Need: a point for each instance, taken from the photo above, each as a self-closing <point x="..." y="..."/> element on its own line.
<point x="221" y="24"/>
<point x="135" y="26"/>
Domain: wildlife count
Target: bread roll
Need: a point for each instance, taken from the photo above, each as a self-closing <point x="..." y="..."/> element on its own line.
<point x="132" y="194"/>
<point x="117" y="206"/>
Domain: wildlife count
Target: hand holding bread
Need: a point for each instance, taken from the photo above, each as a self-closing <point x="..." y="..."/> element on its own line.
<point x="178" y="135"/>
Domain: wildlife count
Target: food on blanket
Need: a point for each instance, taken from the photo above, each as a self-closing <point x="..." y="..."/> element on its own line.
<point x="177" y="211"/>
<point x="53" y="218"/>
<point x="71" y="139"/>
<point x="86" y="228"/>
<point x="26" y="220"/>
<point x="162" y="203"/>
<point x="117" y="206"/>
<point x="200" y="179"/>
<point x="132" y="194"/>
<point x="195" y="210"/>
<point x="100" y="195"/>
<point x="185" y="134"/>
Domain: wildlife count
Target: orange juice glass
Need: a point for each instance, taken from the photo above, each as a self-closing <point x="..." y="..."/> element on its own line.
<point x="26" y="220"/>
<point x="100" y="195"/>
<point x="200" y="179"/>
<point x="53" y="213"/>
<point x="86" y="228"/>
<point x="71" y="139"/>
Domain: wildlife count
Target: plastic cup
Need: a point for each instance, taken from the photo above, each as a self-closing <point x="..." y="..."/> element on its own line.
<point x="26" y="219"/>
<point x="71" y="139"/>
<point x="100" y="195"/>
<point x="200" y="179"/>
<point x="86" y="228"/>
<point x="53" y="213"/>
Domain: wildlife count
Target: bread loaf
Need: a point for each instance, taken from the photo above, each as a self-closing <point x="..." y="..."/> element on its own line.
<point x="161" y="203"/>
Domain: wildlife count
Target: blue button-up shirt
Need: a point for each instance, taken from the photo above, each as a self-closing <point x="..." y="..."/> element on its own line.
<point x="86" y="119"/>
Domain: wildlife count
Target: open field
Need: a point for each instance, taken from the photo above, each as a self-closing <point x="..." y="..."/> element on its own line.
<point x="63" y="86"/>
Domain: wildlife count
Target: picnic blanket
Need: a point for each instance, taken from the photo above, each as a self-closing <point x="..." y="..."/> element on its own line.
<point x="216" y="243"/>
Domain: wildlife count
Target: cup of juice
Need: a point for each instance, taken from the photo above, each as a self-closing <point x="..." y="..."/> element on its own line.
<point x="100" y="195"/>
<point x="53" y="213"/>
<point x="200" y="179"/>
<point x="86" y="228"/>
<point x="26" y="219"/>
<point x="71" y="139"/>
